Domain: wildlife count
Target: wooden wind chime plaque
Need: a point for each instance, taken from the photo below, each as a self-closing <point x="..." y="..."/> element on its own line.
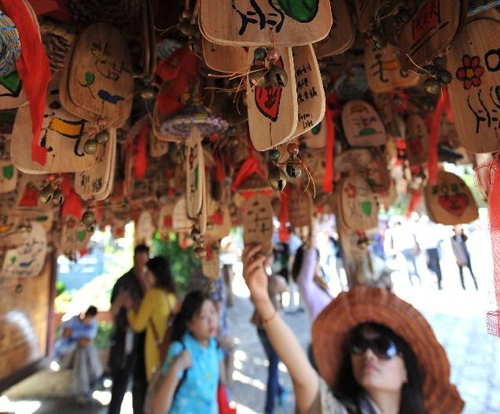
<point x="257" y="215"/>
<point x="358" y="207"/>
<point x="362" y="125"/>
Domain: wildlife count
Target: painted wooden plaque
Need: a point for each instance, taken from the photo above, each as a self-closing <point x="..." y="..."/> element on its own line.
<point x="474" y="62"/>
<point x="211" y="263"/>
<point x="180" y="220"/>
<point x="315" y="159"/>
<point x="218" y="216"/>
<point x="353" y="161"/>
<point x="365" y="10"/>
<point x="362" y="125"/>
<point x="358" y="204"/>
<point x="97" y="182"/>
<point x="342" y="33"/>
<point x="63" y="135"/>
<point x="8" y="172"/>
<point x="44" y="217"/>
<point x="257" y="215"/>
<point x="310" y="93"/>
<point x="377" y="174"/>
<point x="417" y="140"/>
<point x="226" y="59"/>
<point x="28" y="259"/>
<point x="144" y="228"/>
<point x="429" y="32"/>
<point x="195" y="174"/>
<point x="265" y="22"/>
<point x="165" y="218"/>
<point x="10" y="236"/>
<point x="100" y="76"/>
<point x="157" y="148"/>
<point x="74" y="236"/>
<point x="300" y="208"/>
<point x="317" y="136"/>
<point x="272" y="110"/>
<point x="28" y="190"/>
<point x="384" y="71"/>
<point x="450" y="201"/>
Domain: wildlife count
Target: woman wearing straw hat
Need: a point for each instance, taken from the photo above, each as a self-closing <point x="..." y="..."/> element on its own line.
<point x="376" y="353"/>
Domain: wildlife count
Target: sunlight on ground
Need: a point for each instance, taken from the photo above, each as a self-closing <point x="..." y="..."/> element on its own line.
<point x="18" y="407"/>
<point x="238" y="376"/>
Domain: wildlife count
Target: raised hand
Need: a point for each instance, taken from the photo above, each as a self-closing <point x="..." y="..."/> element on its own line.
<point x="254" y="273"/>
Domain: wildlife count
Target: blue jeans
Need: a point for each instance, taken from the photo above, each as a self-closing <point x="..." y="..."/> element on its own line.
<point x="274" y="388"/>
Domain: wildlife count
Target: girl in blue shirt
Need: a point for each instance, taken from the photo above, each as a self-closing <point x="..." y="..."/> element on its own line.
<point x="193" y="367"/>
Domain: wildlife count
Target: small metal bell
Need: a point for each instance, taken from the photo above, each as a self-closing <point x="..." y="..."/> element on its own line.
<point x="187" y="29"/>
<point x="432" y="86"/>
<point x="102" y="137"/>
<point x="438" y="62"/>
<point x="46" y="194"/>
<point x="257" y="76"/>
<point x="278" y="76"/>
<point x="293" y="170"/>
<point x="90" y="147"/>
<point x="259" y="53"/>
<point x="195" y="234"/>
<point x="444" y="77"/>
<point x="430" y="68"/>
<point x="200" y="252"/>
<point x="148" y="92"/>
<point x="58" y="197"/>
<point x="276" y="178"/>
<point x="88" y="218"/>
<point x="274" y="155"/>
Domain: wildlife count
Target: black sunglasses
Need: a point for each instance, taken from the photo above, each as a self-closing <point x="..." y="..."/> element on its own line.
<point x="383" y="348"/>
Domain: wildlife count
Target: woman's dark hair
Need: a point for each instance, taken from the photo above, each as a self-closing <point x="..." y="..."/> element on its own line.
<point x="160" y="267"/>
<point x="297" y="261"/>
<point x="141" y="248"/>
<point x="412" y="400"/>
<point x="191" y="306"/>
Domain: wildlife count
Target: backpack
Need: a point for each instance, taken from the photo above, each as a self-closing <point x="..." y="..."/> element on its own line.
<point x="164" y="343"/>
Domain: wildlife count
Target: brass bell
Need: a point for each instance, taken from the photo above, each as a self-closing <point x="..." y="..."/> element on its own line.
<point x="200" y="252"/>
<point x="187" y="29"/>
<point x="276" y="178"/>
<point x="274" y="155"/>
<point x="88" y="218"/>
<point x="444" y="77"/>
<point x="195" y="234"/>
<point x="148" y="92"/>
<point x="58" y="197"/>
<point x="293" y="170"/>
<point x="102" y="137"/>
<point x="432" y="86"/>
<point x="278" y="76"/>
<point x="90" y="147"/>
<point x="257" y="76"/>
<point x="46" y="194"/>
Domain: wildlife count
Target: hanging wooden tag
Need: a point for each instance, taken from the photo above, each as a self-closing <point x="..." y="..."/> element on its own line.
<point x="474" y="62"/>
<point x="310" y="93"/>
<point x="74" y="236"/>
<point x="28" y="259"/>
<point x="8" y="172"/>
<point x="165" y="218"/>
<point x="342" y="33"/>
<point x="225" y="59"/>
<point x="316" y="137"/>
<point x="384" y="71"/>
<point x="195" y="174"/>
<point x="273" y="111"/>
<point x="63" y="135"/>
<point x="180" y="220"/>
<point x="145" y="228"/>
<point x="315" y="159"/>
<point x="362" y="125"/>
<point x="257" y="215"/>
<point x="28" y="190"/>
<point x="354" y="162"/>
<point x="365" y="10"/>
<point x="97" y="182"/>
<point x="429" y="32"/>
<point x="300" y="207"/>
<point x="265" y="23"/>
<point x="417" y="140"/>
<point x="377" y="173"/>
<point x="450" y="201"/>
<point x="211" y="263"/>
<point x="218" y="217"/>
<point x="44" y="217"/>
<point x="100" y="78"/>
<point x="358" y="204"/>
<point x="157" y="148"/>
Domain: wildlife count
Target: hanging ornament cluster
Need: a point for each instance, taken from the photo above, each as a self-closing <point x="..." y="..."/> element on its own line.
<point x="52" y="191"/>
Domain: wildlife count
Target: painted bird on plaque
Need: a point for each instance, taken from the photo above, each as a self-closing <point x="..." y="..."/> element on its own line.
<point x="450" y="201"/>
<point x="265" y="22"/>
<point x="257" y="215"/>
<point x="362" y="125"/>
<point x="474" y="62"/>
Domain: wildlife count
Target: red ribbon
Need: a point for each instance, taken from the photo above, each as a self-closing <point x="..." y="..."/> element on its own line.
<point x="493" y="318"/>
<point x="250" y="166"/>
<point x="330" y="142"/>
<point x="72" y="203"/>
<point x="141" y="159"/>
<point x="283" y="233"/>
<point x="415" y="199"/>
<point x="442" y="106"/>
<point x="33" y="70"/>
<point x="219" y="169"/>
<point x="57" y="9"/>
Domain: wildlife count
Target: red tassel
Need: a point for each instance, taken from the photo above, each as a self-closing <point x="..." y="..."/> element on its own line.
<point x="33" y="70"/>
<point x="493" y="318"/>
<point x="443" y="105"/>
<point x="415" y="199"/>
<point x="328" y="178"/>
<point x="141" y="159"/>
<point x="72" y="203"/>
<point x="283" y="233"/>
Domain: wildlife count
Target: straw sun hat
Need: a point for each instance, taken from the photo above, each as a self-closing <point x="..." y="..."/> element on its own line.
<point x="363" y="305"/>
